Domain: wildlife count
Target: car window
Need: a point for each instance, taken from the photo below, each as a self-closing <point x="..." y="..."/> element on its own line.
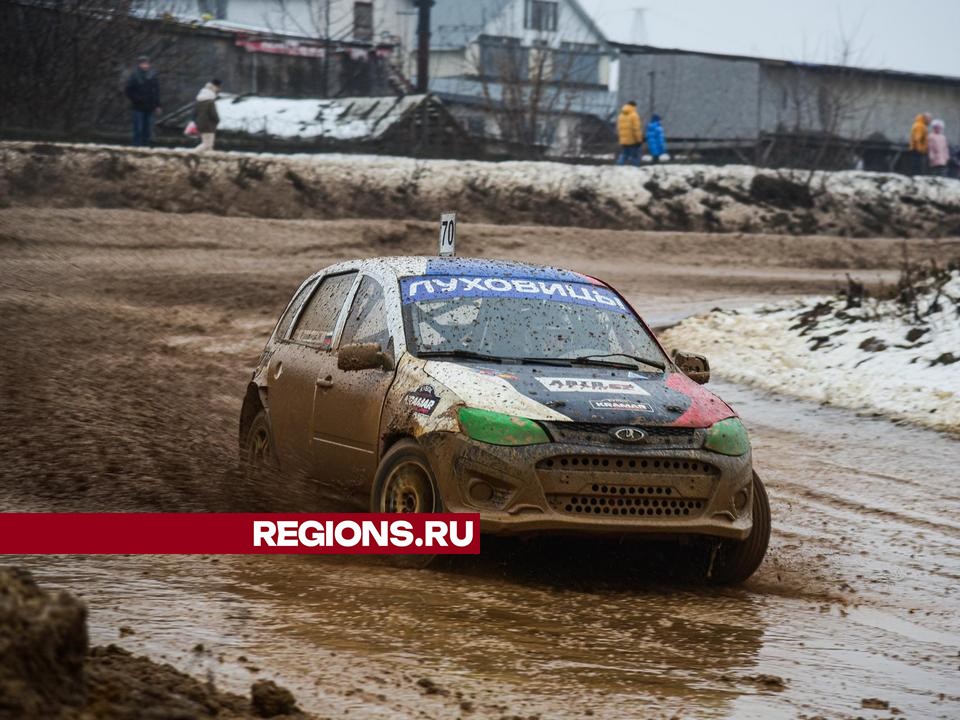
<point x="301" y="297"/>
<point x="367" y="321"/>
<point x="319" y="318"/>
<point x="521" y="318"/>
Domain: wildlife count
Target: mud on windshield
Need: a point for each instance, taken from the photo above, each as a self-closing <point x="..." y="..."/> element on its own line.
<point x="510" y="318"/>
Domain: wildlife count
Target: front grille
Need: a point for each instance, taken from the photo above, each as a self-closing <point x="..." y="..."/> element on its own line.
<point x="587" y="484"/>
<point x="622" y="500"/>
<point x="600" y="463"/>
<point x="584" y="433"/>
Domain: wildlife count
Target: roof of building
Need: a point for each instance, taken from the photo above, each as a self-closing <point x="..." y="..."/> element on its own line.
<point x="357" y="118"/>
<point x="629" y="49"/>
<point x="456" y="24"/>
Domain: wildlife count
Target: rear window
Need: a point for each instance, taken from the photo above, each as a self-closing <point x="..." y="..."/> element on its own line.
<point x="319" y="318"/>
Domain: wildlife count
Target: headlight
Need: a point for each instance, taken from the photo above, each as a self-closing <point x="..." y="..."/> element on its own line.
<point x="500" y="429"/>
<point x="728" y="437"/>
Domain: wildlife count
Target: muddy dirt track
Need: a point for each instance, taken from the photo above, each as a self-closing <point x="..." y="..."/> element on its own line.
<point x="129" y="337"/>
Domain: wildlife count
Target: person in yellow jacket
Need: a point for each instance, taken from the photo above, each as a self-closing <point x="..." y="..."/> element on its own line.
<point x="918" y="144"/>
<point x="630" y="135"/>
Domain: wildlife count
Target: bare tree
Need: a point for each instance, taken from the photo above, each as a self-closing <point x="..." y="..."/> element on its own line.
<point x="62" y="62"/>
<point x="827" y="111"/>
<point x="531" y="90"/>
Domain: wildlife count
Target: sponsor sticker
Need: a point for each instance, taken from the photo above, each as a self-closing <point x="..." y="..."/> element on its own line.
<point x="438" y="287"/>
<point x="591" y="385"/>
<point x="423" y="400"/>
<point x="497" y="373"/>
<point x="614" y="404"/>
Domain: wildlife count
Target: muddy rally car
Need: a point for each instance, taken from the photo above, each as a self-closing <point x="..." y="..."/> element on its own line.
<point x="534" y="396"/>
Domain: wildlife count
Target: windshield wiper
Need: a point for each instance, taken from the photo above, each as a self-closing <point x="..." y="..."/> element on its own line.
<point x="471" y="354"/>
<point x="598" y="359"/>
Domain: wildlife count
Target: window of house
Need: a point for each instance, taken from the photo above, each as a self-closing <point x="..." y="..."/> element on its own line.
<point x="577" y="63"/>
<point x="541" y="15"/>
<point x="503" y="58"/>
<point x="319" y="318"/>
<point x="363" y="21"/>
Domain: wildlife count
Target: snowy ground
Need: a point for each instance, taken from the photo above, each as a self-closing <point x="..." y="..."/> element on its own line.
<point x="365" y="118"/>
<point x="893" y="357"/>
<point x="732" y="198"/>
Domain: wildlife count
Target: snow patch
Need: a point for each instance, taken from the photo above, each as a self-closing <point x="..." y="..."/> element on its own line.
<point x="897" y="358"/>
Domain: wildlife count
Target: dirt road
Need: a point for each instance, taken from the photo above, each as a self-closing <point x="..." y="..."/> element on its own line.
<point x="129" y="337"/>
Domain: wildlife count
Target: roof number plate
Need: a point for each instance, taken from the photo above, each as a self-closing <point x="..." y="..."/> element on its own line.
<point x="448" y="234"/>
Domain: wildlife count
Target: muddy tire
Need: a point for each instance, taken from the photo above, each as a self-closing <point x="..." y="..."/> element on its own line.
<point x="258" y="463"/>
<point x="405" y="483"/>
<point x="732" y="561"/>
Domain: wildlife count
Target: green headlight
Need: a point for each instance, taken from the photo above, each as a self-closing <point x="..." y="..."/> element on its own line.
<point x="500" y="429"/>
<point x="728" y="437"/>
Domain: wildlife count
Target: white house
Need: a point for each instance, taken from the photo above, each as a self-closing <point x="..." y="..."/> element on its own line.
<point x="533" y="72"/>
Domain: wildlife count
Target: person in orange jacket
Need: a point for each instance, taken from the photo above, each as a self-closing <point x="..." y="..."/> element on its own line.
<point x="630" y="134"/>
<point x="918" y="144"/>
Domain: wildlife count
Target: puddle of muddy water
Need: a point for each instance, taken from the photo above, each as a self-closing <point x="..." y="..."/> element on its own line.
<point x="856" y="600"/>
<point x="342" y="632"/>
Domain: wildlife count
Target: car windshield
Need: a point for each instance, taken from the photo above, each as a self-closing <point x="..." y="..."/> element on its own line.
<point x="521" y="319"/>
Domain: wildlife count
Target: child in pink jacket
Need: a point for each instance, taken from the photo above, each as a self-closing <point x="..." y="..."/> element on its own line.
<point x="938" y="150"/>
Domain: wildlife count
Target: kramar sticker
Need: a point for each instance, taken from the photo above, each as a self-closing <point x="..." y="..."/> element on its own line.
<point x="591" y="385"/>
<point x="423" y="400"/>
<point x="613" y="404"/>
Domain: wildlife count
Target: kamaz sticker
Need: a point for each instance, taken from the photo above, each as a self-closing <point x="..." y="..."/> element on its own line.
<point x="591" y="385"/>
<point x="421" y="289"/>
<point x="614" y="404"/>
<point x="423" y="400"/>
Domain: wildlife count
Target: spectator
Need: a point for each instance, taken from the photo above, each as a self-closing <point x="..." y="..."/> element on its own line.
<point x="938" y="150"/>
<point x="206" y="114"/>
<point x="628" y="130"/>
<point x="918" y="144"/>
<point x="143" y="92"/>
<point x="656" y="144"/>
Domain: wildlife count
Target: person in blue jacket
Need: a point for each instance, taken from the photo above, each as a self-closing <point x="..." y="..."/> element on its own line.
<point x="656" y="144"/>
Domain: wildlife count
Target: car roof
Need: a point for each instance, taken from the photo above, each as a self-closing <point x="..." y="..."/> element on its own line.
<point x="405" y="266"/>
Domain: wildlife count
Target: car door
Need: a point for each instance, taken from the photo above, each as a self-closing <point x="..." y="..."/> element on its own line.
<point x="346" y="421"/>
<point x="301" y="364"/>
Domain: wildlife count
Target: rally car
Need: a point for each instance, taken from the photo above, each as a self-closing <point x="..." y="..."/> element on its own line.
<point x="534" y="396"/>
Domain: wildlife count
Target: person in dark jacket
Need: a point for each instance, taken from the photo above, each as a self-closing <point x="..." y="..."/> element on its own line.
<point x="143" y="92"/>
<point x="207" y="118"/>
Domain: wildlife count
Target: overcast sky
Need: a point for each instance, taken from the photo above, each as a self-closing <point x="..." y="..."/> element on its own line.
<point x="914" y="35"/>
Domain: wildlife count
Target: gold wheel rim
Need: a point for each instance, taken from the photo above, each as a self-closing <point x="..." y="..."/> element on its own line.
<point x="408" y="489"/>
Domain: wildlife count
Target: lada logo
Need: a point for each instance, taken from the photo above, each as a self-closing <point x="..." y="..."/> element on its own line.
<point x="629" y="434"/>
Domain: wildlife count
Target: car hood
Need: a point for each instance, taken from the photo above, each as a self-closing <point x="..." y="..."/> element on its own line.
<point x="607" y="395"/>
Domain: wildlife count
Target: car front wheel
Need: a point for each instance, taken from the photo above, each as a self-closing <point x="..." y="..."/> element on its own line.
<point x="733" y="561"/>
<point x="404" y="483"/>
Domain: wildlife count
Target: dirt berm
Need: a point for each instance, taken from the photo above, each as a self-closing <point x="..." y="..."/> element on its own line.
<point x="666" y="197"/>
<point x="48" y="671"/>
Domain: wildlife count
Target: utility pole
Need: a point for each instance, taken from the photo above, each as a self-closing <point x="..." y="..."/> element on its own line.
<point x="423" y="44"/>
<point x="326" y="48"/>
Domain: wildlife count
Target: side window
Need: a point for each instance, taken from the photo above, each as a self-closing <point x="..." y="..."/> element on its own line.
<point x="367" y="321"/>
<point x="319" y="317"/>
<point x="284" y="325"/>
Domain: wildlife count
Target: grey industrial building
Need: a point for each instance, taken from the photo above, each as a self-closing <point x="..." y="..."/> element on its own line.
<point x="761" y="108"/>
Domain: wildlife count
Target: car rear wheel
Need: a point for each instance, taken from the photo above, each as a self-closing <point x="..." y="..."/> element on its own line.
<point x="258" y="461"/>
<point x="404" y="483"/>
<point x="733" y="561"/>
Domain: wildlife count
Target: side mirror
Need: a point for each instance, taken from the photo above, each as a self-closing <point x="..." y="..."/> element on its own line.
<point x="364" y="356"/>
<point x="696" y="367"/>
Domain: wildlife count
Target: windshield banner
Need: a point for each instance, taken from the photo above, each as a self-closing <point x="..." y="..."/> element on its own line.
<point x="427" y="288"/>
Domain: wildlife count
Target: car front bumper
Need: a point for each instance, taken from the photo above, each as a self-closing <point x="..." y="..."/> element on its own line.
<point x="573" y="488"/>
